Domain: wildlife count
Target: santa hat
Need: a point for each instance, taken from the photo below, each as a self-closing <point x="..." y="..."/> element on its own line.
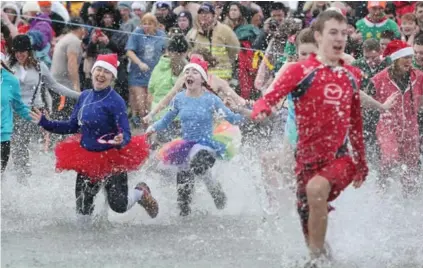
<point x="108" y="62"/>
<point x="398" y="49"/>
<point x="199" y="65"/>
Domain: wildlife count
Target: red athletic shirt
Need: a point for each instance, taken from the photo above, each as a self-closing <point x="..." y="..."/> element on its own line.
<point x="327" y="110"/>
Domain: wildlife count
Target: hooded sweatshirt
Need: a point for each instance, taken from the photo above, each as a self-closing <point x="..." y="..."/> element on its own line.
<point x="10" y="100"/>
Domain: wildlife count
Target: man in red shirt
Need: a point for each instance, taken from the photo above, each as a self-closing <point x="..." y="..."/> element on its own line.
<point x="327" y="108"/>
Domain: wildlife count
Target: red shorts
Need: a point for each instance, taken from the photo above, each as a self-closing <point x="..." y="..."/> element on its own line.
<point x="338" y="172"/>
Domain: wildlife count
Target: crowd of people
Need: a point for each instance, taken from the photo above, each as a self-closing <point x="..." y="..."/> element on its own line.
<point x="330" y="88"/>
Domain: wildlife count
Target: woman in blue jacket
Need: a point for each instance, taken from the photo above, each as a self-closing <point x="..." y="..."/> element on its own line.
<point x="10" y="100"/>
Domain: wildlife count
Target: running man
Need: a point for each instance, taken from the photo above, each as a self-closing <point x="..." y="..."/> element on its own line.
<point x="327" y="105"/>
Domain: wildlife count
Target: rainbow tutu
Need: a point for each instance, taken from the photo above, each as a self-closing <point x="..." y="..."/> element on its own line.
<point x="225" y="142"/>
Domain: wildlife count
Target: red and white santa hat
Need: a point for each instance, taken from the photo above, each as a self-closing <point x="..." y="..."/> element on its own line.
<point x="107" y="61"/>
<point x="398" y="49"/>
<point x="198" y="64"/>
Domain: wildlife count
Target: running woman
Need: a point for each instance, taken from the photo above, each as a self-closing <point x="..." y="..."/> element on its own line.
<point x="105" y="151"/>
<point x="327" y="105"/>
<point x="198" y="149"/>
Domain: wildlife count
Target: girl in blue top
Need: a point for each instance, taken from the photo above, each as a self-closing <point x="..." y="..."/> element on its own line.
<point x="198" y="149"/>
<point x="105" y="150"/>
<point x="10" y="100"/>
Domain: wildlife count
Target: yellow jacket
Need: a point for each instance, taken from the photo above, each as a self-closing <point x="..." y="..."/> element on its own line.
<point x="215" y="40"/>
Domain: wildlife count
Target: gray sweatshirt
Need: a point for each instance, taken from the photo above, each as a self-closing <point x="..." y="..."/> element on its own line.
<point x="29" y="78"/>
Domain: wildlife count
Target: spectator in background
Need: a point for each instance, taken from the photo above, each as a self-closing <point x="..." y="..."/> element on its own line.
<point x="187" y="6"/>
<point x="390" y="12"/>
<point x="270" y="28"/>
<point x="236" y="15"/>
<point x="163" y="78"/>
<point x="278" y="12"/>
<point x="403" y="7"/>
<point x="385" y="38"/>
<point x="13" y="12"/>
<point x="58" y="23"/>
<point x="409" y="28"/>
<point x="118" y="40"/>
<point x="67" y="58"/>
<point x="418" y="52"/>
<point x="139" y="10"/>
<point x="376" y="22"/>
<point x="165" y="15"/>
<point x="312" y="9"/>
<point x="144" y="48"/>
<point x="40" y="46"/>
<point x="370" y="64"/>
<point x="185" y="22"/>
<point x="419" y="14"/>
<point x="418" y="64"/>
<point x="218" y="37"/>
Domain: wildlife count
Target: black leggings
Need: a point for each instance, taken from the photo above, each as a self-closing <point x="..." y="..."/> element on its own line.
<point x="5" y="153"/>
<point x="116" y="187"/>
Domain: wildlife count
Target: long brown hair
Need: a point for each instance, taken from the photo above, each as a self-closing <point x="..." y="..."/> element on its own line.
<point x="31" y="61"/>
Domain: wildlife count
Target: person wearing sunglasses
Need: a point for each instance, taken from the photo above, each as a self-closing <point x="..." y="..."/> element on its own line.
<point x="105" y="151"/>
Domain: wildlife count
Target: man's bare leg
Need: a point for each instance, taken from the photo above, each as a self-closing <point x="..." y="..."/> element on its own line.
<point x="318" y="190"/>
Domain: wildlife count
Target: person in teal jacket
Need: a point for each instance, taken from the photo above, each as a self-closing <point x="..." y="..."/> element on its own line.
<point x="10" y="100"/>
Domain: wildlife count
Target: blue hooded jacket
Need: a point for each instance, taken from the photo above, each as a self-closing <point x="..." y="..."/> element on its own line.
<point x="10" y="99"/>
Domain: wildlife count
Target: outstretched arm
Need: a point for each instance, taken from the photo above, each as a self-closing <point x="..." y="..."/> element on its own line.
<point x="369" y="102"/>
<point x="282" y="86"/>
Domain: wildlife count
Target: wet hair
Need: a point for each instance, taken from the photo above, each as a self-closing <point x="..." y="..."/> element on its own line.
<point x="388" y="34"/>
<point x="371" y="45"/>
<point x="418" y="40"/>
<point x="306" y="36"/>
<point x="211" y="60"/>
<point x="319" y="23"/>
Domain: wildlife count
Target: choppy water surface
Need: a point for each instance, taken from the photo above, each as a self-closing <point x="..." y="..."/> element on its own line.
<point x="38" y="225"/>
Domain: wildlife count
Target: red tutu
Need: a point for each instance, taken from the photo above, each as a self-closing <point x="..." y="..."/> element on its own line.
<point x="97" y="165"/>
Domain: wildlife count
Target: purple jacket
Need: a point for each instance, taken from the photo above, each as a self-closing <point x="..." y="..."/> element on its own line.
<point x="42" y="23"/>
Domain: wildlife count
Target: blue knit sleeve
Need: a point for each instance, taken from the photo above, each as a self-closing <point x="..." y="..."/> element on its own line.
<point x="64" y="127"/>
<point x="163" y="123"/>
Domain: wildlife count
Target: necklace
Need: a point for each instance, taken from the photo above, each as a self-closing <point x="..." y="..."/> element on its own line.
<point x="85" y="105"/>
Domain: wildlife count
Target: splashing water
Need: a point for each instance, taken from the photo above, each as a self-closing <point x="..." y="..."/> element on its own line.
<point x="367" y="229"/>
